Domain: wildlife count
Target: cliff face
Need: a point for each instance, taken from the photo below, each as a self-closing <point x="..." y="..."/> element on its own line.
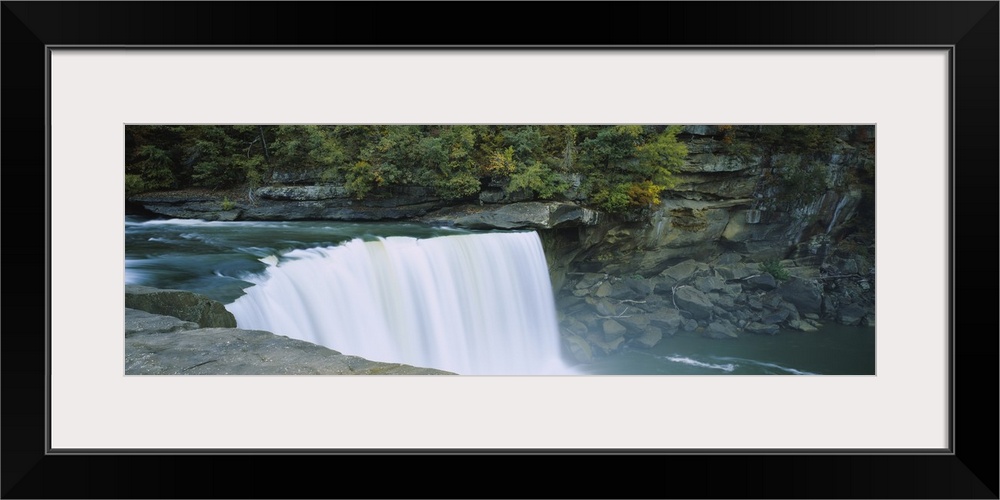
<point x="725" y="203"/>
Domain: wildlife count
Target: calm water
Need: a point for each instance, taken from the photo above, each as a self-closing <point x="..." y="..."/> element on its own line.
<point x="222" y="259"/>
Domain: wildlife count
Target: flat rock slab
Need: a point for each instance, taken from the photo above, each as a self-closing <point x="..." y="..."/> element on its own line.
<point x="232" y="351"/>
<point x="188" y="306"/>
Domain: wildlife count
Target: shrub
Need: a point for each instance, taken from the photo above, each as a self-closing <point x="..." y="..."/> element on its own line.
<point x="774" y="268"/>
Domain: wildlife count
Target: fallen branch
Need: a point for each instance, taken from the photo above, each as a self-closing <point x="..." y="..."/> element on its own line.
<point x="620" y="315"/>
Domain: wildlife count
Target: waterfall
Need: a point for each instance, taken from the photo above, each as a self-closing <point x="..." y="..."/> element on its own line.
<point x="836" y="213"/>
<point x="469" y="304"/>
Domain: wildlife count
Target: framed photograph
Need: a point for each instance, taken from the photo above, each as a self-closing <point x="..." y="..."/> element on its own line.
<point x="910" y="79"/>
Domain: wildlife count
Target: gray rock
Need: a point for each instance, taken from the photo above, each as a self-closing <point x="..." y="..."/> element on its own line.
<point x="565" y="302"/>
<point x="663" y="285"/>
<point x="737" y="271"/>
<point x="604" y="307"/>
<point x="649" y="337"/>
<point x="693" y="301"/>
<point x="634" y="322"/>
<point x="607" y="347"/>
<point x="524" y="215"/>
<point x="802" y="326"/>
<point x="689" y="325"/>
<point x="709" y="283"/>
<point x="302" y="193"/>
<point x="640" y="287"/>
<point x="574" y="326"/>
<point x="684" y="270"/>
<point x="621" y="290"/>
<point x="137" y="322"/>
<point x="851" y="314"/>
<point x="763" y="282"/>
<point x="669" y="320"/>
<point x="232" y="351"/>
<point x="612" y="329"/>
<point x="185" y="305"/>
<point x="721" y="330"/>
<point x="805" y="294"/>
<point x="491" y="195"/>
<point x="728" y="258"/>
<point x="590" y="279"/>
<point x="724" y="302"/>
<point x="761" y="329"/>
<point x="774" y="317"/>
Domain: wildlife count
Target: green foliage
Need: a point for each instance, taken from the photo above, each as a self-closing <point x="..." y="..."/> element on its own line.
<point x="155" y="167"/>
<point x="614" y="200"/>
<point x="538" y="178"/>
<point x="363" y="178"/>
<point x="644" y="193"/>
<point x="227" y="204"/>
<point x="622" y="167"/>
<point x="775" y="268"/>
<point x="459" y="186"/>
<point x="133" y="185"/>
<point x="799" y="180"/>
<point x="500" y="164"/>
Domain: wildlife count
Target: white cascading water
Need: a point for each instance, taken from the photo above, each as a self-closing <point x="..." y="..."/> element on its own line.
<point x="469" y="304"/>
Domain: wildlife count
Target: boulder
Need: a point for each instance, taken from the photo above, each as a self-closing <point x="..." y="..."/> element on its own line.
<point x="763" y="282"/>
<point x="684" y="270"/>
<point x="668" y="320"/>
<point x="649" y="337"/>
<point x="851" y="314"/>
<point x="181" y="304"/>
<point x="634" y="322"/>
<point x="590" y="279"/>
<point x="612" y="329"/>
<point x="761" y="329"/>
<point x="709" y="283"/>
<point x="693" y="301"/>
<point x="806" y="295"/>
<point x="640" y="287"/>
<point x="574" y="326"/>
<point x="801" y="325"/>
<point x="737" y="271"/>
<point x="137" y="322"/>
<point x="721" y="329"/>
<point x="607" y="347"/>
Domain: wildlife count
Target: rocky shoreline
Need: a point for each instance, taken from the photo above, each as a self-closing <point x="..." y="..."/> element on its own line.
<point x="724" y="299"/>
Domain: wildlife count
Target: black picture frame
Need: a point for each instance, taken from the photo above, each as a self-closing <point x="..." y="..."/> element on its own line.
<point x="968" y="471"/>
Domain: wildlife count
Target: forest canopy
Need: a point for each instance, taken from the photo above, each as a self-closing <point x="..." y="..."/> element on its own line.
<point x="616" y="168"/>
